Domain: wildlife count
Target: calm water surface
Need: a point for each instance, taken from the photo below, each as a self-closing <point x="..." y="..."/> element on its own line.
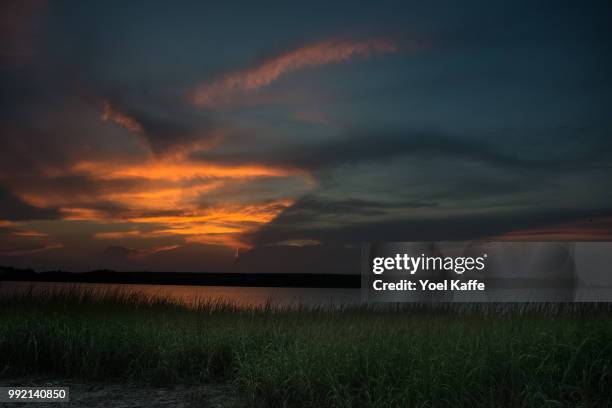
<point x="192" y="295"/>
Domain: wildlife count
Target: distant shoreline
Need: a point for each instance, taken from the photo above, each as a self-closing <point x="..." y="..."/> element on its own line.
<point x="291" y="280"/>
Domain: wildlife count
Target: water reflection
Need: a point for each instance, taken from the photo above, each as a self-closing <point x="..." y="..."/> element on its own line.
<point x="193" y="295"/>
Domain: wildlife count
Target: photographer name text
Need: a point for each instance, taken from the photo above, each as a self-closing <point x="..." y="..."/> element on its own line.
<point x="428" y="285"/>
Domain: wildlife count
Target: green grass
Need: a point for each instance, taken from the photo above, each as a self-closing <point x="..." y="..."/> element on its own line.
<point x="307" y="357"/>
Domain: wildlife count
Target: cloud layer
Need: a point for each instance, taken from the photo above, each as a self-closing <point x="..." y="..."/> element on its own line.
<point x="230" y="85"/>
<point x="154" y="136"/>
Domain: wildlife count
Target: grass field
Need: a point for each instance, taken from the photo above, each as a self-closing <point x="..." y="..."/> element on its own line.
<point x="307" y="357"/>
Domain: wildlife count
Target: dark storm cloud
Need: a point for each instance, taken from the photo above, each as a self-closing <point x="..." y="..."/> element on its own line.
<point x="252" y="190"/>
<point x="76" y="186"/>
<point x="382" y="146"/>
<point x="421" y="229"/>
<point x="14" y="209"/>
<point x="311" y="207"/>
<point x="28" y="151"/>
<point x="164" y="124"/>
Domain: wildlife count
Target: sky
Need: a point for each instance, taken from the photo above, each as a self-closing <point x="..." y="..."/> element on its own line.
<point x="278" y="136"/>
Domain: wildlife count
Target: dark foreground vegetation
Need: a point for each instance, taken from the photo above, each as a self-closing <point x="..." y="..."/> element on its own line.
<point x="471" y="355"/>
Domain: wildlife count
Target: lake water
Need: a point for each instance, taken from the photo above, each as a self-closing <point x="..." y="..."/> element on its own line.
<point x="192" y="295"/>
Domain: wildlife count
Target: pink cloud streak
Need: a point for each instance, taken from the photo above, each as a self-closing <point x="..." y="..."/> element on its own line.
<point x="325" y="52"/>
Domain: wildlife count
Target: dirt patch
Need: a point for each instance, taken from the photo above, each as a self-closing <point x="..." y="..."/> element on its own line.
<point x="110" y="395"/>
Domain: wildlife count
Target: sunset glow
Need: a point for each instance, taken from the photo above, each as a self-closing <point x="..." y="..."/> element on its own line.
<point x="175" y="136"/>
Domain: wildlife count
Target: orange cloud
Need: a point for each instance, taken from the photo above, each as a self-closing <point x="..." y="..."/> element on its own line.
<point x="222" y="224"/>
<point x="175" y="186"/>
<point x="166" y="194"/>
<point x="177" y="170"/>
<point x="15" y="229"/>
<point x="325" y="52"/>
<point x="236" y="213"/>
<point x="118" y="234"/>
<point x="21" y="252"/>
<point x="82" y="214"/>
<point x="18" y="239"/>
<point x="154" y="183"/>
<point x="138" y="254"/>
<point x="597" y="229"/>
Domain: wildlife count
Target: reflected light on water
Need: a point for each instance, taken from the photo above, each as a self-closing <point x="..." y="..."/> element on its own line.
<point x="193" y="295"/>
